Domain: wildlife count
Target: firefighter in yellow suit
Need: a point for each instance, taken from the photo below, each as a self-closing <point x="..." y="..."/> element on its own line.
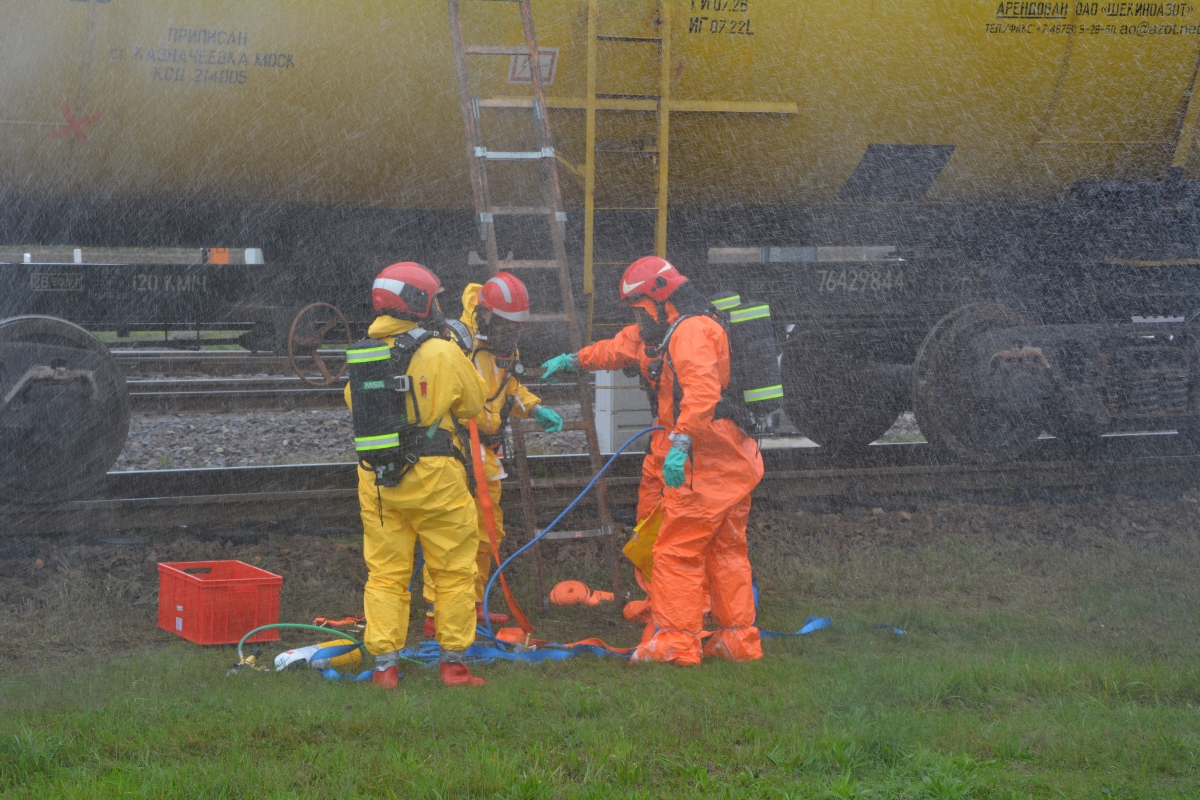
<point x="431" y="503"/>
<point x="495" y="312"/>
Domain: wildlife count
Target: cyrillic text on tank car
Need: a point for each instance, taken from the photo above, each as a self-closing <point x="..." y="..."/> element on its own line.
<point x="207" y="37"/>
<point x="1032" y="10"/>
<point x="1138" y="9"/>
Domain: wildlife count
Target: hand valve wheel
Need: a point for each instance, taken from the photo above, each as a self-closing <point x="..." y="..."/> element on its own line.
<point x="312" y="325"/>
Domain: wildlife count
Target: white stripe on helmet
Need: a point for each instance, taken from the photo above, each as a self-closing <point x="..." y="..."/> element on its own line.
<point x="513" y="316"/>
<point x="389" y="285"/>
<point x="503" y="288"/>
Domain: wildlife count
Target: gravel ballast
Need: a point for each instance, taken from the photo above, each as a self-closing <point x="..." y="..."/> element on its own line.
<point x="264" y="438"/>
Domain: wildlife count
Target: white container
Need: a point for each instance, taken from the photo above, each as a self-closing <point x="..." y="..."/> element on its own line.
<point x="621" y="411"/>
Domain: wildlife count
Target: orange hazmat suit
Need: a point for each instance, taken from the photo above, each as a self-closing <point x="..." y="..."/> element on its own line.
<point x="702" y="541"/>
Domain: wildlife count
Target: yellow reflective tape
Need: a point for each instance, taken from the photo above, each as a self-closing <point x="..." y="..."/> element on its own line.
<point x="747" y="314"/>
<point x="376" y="442"/>
<point x="726" y="303"/>
<point x="765" y="393"/>
<point x="368" y="354"/>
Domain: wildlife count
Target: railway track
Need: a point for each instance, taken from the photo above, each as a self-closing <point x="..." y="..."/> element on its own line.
<point x="311" y="494"/>
<point x="224" y="395"/>
<point x="217" y="363"/>
<point x="173" y="395"/>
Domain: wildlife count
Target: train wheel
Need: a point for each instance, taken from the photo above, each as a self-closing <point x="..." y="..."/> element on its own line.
<point x="316" y="324"/>
<point x="840" y="406"/>
<point x="966" y="406"/>
<point x="64" y="410"/>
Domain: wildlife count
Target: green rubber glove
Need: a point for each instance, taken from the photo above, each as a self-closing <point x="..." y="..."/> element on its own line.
<point x="563" y="363"/>
<point x="550" y="421"/>
<point x="673" y="467"/>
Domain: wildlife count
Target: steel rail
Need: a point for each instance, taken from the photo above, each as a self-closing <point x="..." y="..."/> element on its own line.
<point x="314" y="494"/>
<point x="207" y="362"/>
<point x="226" y="395"/>
<point x="217" y="395"/>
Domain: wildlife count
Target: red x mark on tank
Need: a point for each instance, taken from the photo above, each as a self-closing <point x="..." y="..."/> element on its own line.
<point x="75" y="126"/>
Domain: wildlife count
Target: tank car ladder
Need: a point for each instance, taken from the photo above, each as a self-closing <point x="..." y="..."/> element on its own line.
<point x="478" y="157"/>
<point x="659" y="105"/>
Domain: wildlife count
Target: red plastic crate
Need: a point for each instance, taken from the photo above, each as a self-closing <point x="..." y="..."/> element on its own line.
<point x="217" y="602"/>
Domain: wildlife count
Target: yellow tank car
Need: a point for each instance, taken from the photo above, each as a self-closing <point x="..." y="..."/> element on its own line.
<point x="355" y="104"/>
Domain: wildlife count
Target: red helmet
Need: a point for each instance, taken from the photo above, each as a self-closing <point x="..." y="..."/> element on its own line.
<point x="505" y="296"/>
<point x="651" y="277"/>
<point x="406" y="287"/>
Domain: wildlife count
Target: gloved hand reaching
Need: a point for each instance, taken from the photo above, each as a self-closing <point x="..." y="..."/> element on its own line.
<point x="567" y="362"/>
<point x="549" y="419"/>
<point x="677" y="456"/>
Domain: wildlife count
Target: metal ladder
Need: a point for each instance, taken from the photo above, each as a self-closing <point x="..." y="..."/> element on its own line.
<point x="658" y="154"/>
<point x="544" y="159"/>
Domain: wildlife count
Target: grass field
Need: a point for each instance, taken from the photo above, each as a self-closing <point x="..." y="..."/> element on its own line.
<point x="1051" y="652"/>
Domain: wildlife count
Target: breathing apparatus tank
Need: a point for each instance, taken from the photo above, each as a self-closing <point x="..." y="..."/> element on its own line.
<point x="755" y="381"/>
<point x="384" y="437"/>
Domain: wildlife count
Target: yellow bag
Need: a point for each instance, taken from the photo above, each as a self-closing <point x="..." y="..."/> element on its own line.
<point x="640" y="546"/>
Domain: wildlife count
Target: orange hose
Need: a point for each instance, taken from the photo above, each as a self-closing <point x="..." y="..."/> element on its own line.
<point x="489" y="523"/>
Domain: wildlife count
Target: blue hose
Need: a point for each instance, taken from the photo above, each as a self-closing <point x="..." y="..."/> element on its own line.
<point x="487" y="621"/>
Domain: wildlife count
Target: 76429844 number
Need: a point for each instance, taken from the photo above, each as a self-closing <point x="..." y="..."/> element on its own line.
<point x="859" y="280"/>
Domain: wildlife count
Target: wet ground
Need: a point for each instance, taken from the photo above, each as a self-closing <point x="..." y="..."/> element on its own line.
<point x="94" y="595"/>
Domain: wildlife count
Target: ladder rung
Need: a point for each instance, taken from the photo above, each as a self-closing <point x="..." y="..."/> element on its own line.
<point x="600" y="96"/>
<point x="527" y="428"/>
<point x="629" y="38"/>
<point x="570" y="482"/>
<point x="528" y="265"/>
<point x="626" y="208"/>
<point x="603" y="530"/>
<point x="509" y="155"/>
<point x="505" y="102"/>
<point x="520" y="210"/>
<point x="495" y="50"/>
<point x="629" y="152"/>
<point x="549" y="318"/>
<point x="576" y="103"/>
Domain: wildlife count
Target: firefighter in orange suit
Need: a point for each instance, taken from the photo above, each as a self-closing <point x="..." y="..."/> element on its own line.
<point x="431" y="503"/>
<point x="708" y="467"/>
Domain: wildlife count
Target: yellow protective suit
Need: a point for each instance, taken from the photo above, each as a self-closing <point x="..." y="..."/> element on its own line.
<point x="499" y="386"/>
<point x="431" y="503"/>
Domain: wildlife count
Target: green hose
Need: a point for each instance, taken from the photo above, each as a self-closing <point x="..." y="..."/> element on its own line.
<point x="326" y="631"/>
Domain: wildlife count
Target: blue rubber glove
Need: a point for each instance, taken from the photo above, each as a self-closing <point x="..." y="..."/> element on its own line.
<point x="673" y="467"/>
<point x="550" y="421"/>
<point x="563" y="363"/>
